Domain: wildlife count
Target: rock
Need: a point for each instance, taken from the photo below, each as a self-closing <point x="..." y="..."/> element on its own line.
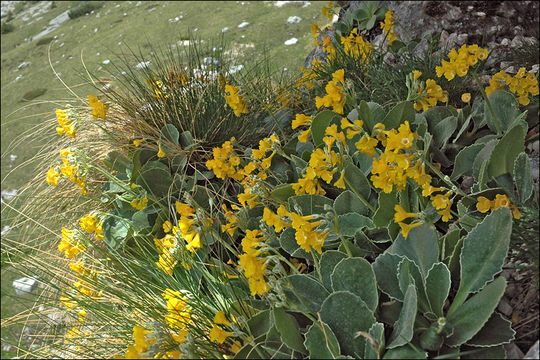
<point x="291" y="41"/>
<point x="513" y="351"/>
<point x="18" y="78"/>
<point x="142" y="65"/>
<point x="243" y="24"/>
<point x="23" y="65"/>
<point x="505" y="42"/>
<point x="533" y="352"/>
<point x="293" y="19"/>
<point x="505" y="307"/>
<point x="225" y="29"/>
<point x="24" y="285"/>
<point x="106" y="62"/>
<point x="8" y="194"/>
<point x="462" y="39"/>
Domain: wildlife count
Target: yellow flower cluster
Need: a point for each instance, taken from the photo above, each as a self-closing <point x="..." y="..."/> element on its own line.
<point x="309" y="75"/>
<point x="356" y="47"/>
<point x="388" y="26"/>
<point x="253" y="267"/>
<point x="460" y="61"/>
<point x="91" y="224"/>
<point x="158" y="88"/>
<point x="179" y="311"/>
<point x="484" y="205"/>
<point x="84" y="274"/>
<point x="66" y="126"/>
<point x="400" y="215"/>
<point x="225" y="164"/>
<point x="142" y="343"/>
<point x="335" y="97"/>
<point x="306" y="237"/>
<point x="69" y="244"/>
<point x="232" y="223"/>
<point x="235" y="101"/>
<point x="139" y="202"/>
<point x="166" y="248"/>
<point x="302" y="120"/>
<point x="322" y="164"/>
<point x="69" y="170"/>
<point x="327" y="10"/>
<point x="522" y="84"/>
<point x="99" y="109"/>
<point x="430" y="94"/>
<point x="187" y="226"/>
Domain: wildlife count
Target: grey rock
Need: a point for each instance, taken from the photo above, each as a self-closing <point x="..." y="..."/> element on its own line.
<point x="505" y="307"/>
<point x="23" y="65"/>
<point x="533" y="352"/>
<point x="505" y="42"/>
<point x="24" y="285"/>
<point x="513" y="351"/>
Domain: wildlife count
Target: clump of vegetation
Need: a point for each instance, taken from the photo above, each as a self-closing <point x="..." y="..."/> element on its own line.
<point x="32" y="94"/>
<point x="44" y="41"/>
<point x="83" y="8"/>
<point x="7" y="27"/>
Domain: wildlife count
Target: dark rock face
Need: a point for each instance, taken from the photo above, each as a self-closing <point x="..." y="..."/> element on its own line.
<point x="498" y="25"/>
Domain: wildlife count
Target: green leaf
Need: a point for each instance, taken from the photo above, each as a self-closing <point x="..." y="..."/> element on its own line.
<point x="282" y="193"/>
<point x="248" y="351"/>
<point x="483" y="156"/>
<point x="497" y="331"/>
<point x="471" y="316"/>
<point x="321" y="345"/>
<point x="140" y="221"/>
<point x="443" y="130"/>
<point x="346" y="314"/>
<point x="523" y="177"/>
<point x="288" y="243"/>
<point x="364" y="114"/>
<point x="348" y="202"/>
<point x="483" y="252"/>
<point x="420" y="246"/>
<point x="505" y="107"/>
<point x="117" y="161"/>
<point x="506" y="151"/>
<point x="405" y="352"/>
<point x="377" y="112"/>
<point x="186" y="140"/>
<point x="377" y="333"/>
<point x="403" y="328"/>
<point x="201" y="196"/>
<point x="328" y="262"/>
<point x="115" y="230"/>
<point x="371" y="22"/>
<point x="310" y="290"/>
<point x="155" y="178"/>
<point x="385" y="212"/>
<point x="385" y="268"/>
<point x="408" y="273"/>
<point x="170" y="132"/>
<point x="464" y="160"/>
<point x="356" y="181"/>
<point x="438" y="287"/>
<point x="309" y="204"/>
<point x="350" y="223"/>
<point x="261" y="323"/>
<point x="357" y="276"/>
<point x="403" y="111"/>
<point x="494" y="352"/>
<point x="319" y="124"/>
<point x="287" y="326"/>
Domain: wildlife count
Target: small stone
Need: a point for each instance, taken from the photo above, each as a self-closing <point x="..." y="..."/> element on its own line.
<point x="513" y="351"/>
<point x="24" y="285"/>
<point x="98" y="54"/>
<point x="291" y="41"/>
<point x="124" y="14"/>
<point x="293" y="19"/>
<point x="62" y="44"/>
<point x="18" y="78"/>
<point x="5" y="229"/>
<point x="8" y="348"/>
<point x="534" y="69"/>
<point x="23" y="65"/>
<point x="95" y="30"/>
<point x="505" y="42"/>
<point x="533" y="352"/>
<point x="142" y="65"/>
<point x="462" y="39"/>
<point x="106" y="62"/>
<point x="505" y="307"/>
<point x="225" y="29"/>
<point x="243" y="24"/>
<point x="510" y="70"/>
<point x="480" y="14"/>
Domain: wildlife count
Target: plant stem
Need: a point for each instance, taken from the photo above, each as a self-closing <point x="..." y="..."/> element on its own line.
<point x="495" y="119"/>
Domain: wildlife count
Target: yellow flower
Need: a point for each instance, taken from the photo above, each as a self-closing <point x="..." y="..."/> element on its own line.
<point x="484" y="204"/>
<point x="446" y="215"/>
<point x="466" y="97"/>
<point x="515" y="212"/>
<point x="160" y="153"/>
<point x="140" y="204"/>
<point x="235" y="101"/>
<point x="220" y="319"/>
<point x="340" y="183"/>
<point x="89" y="223"/>
<point x="400" y="214"/>
<point x="405" y="228"/>
<point x="366" y="145"/>
<point x="303" y="137"/>
<point x="416" y="74"/>
<point x="301" y="120"/>
<point x="441" y="202"/>
<point x="99" y="109"/>
<point x="53" y="177"/>
<point x="219" y="335"/>
<point x="501" y="201"/>
<point x="138" y="143"/>
<point x="167" y="226"/>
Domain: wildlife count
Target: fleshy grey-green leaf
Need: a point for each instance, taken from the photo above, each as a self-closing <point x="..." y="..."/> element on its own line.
<point x="357" y="276"/>
<point x="403" y="328"/>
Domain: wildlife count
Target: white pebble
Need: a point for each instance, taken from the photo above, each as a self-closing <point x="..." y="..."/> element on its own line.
<point x="291" y="41"/>
<point x="106" y="62"/>
<point x="243" y="24"/>
<point x="225" y="29"/>
<point x="142" y="65"/>
<point x="294" y="20"/>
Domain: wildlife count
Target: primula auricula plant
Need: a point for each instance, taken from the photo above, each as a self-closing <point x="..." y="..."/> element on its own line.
<point x="351" y="236"/>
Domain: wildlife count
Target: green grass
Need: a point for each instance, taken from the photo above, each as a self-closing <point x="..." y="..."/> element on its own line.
<point x="77" y="45"/>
